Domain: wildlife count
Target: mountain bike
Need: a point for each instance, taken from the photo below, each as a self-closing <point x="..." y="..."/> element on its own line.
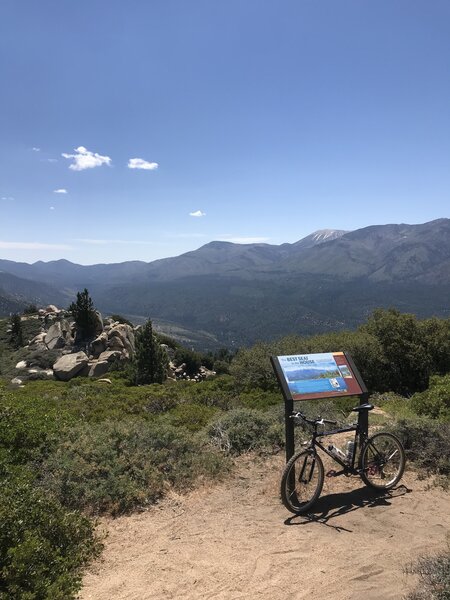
<point x="380" y="463"/>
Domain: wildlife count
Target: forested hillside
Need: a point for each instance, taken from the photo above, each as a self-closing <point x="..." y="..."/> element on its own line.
<point x="238" y="294"/>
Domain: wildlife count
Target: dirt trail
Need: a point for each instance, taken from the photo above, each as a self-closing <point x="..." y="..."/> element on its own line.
<point x="235" y="540"/>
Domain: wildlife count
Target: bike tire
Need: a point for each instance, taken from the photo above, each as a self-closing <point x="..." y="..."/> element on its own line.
<point x="306" y="470"/>
<point x="382" y="461"/>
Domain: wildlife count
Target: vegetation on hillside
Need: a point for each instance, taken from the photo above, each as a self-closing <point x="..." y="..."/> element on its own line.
<point x="91" y="448"/>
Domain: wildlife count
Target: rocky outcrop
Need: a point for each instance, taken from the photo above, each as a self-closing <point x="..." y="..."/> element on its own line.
<point x="58" y="335"/>
<point x="98" y="327"/>
<point x="121" y="337"/>
<point x="78" y="357"/>
<point x="99" y="345"/>
<point x="110" y="355"/>
<point x="98" y="368"/>
<point x="69" y="365"/>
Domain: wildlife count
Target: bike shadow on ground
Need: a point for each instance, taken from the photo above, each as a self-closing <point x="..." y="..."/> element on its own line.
<point x="335" y="505"/>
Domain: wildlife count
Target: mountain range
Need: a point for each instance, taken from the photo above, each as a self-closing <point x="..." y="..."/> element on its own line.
<point x="233" y="294"/>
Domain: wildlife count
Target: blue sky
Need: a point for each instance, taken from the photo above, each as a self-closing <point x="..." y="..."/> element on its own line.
<point x="254" y="120"/>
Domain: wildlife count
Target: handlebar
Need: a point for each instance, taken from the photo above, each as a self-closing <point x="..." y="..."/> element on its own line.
<point x="318" y="421"/>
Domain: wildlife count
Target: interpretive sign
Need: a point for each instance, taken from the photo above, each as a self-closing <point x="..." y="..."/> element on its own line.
<point x="314" y="376"/>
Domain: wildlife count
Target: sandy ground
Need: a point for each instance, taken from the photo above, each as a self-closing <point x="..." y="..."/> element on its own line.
<point x="235" y="540"/>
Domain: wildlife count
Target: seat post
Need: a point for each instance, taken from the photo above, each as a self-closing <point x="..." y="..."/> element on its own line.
<point x="363" y="418"/>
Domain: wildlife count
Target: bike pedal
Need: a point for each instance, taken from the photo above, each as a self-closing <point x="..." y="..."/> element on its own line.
<point x="331" y="473"/>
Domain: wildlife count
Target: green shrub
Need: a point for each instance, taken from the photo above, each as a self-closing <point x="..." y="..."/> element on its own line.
<point x="427" y="444"/>
<point x="244" y="429"/>
<point x="121" y="319"/>
<point x="31" y="309"/>
<point x="219" y="392"/>
<point x="435" y="401"/>
<point x="221" y="367"/>
<point x="29" y="431"/>
<point x="167" y="340"/>
<point x="44" y="359"/>
<point x="191" y="359"/>
<point x="42" y="546"/>
<point x="434" y="577"/>
<point x="260" y="399"/>
<point x="191" y="416"/>
<point x="251" y="367"/>
<point x="114" y="467"/>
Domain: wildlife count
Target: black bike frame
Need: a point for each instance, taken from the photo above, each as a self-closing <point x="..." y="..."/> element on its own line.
<point x="347" y="467"/>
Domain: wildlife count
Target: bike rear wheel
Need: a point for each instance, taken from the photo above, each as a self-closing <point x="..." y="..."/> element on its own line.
<point x="382" y="461"/>
<point x="302" y="481"/>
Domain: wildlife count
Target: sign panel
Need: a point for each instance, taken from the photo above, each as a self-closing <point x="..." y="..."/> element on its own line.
<point x="313" y="376"/>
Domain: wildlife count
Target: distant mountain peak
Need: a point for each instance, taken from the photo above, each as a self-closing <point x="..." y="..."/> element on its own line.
<point x="319" y="237"/>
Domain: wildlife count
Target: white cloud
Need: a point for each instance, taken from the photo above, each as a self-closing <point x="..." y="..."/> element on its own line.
<point x="32" y="246"/>
<point x="245" y="240"/>
<point x="197" y="213"/>
<point x="85" y="159"/>
<point x="52" y="208"/>
<point x="140" y="163"/>
<point x="7" y="198"/>
<point x="36" y="149"/>
<point x="60" y="191"/>
<point x="50" y="160"/>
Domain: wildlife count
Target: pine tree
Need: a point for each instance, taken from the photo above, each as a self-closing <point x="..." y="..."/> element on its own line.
<point x="150" y="361"/>
<point x="16" y="338"/>
<point x="83" y="312"/>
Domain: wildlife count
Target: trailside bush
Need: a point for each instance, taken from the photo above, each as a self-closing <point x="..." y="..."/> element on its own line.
<point x="42" y="546"/>
<point x="435" y="401"/>
<point x="191" y="416"/>
<point x="434" y="577"/>
<point x="245" y="429"/>
<point x="426" y="443"/>
<point x="112" y="467"/>
<point x="29" y="430"/>
<point x="191" y="359"/>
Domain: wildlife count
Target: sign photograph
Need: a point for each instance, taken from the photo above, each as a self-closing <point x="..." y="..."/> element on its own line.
<point x="309" y="376"/>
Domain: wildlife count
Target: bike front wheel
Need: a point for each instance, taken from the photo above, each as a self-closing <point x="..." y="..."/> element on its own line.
<point x="302" y="481"/>
<point x="382" y="461"/>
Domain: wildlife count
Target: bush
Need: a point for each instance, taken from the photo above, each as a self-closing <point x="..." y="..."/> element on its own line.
<point x="191" y="416"/>
<point x="114" y="467"/>
<point x="191" y="359"/>
<point x="221" y="367"/>
<point x="31" y="309"/>
<point x="42" y="546"/>
<point x="29" y="431"/>
<point x="435" y="401"/>
<point x="121" y="319"/>
<point x="44" y="359"/>
<point x="426" y="443"/>
<point x="244" y="429"/>
<point x="434" y="577"/>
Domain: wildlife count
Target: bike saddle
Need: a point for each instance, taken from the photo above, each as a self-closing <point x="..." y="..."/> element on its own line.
<point x="363" y="407"/>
